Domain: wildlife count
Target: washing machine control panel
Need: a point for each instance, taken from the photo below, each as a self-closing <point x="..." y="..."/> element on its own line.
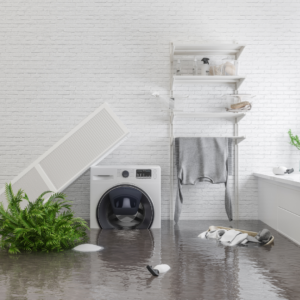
<point x="143" y="173"/>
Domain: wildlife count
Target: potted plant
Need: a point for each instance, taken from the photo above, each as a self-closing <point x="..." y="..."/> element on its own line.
<point x="41" y="225"/>
<point x="294" y="141"/>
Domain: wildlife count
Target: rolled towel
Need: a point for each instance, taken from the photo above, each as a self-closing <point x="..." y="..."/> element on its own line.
<point x="264" y="236"/>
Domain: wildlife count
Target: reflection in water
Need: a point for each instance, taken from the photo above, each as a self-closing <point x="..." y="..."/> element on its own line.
<point x="125" y="248"/>
<point x="28" y="273"/>
<point x="200" y="269"/>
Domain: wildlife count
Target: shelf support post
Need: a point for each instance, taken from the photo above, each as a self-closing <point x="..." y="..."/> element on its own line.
<point x="171" y="119"/>
<point x="236" y="170"/>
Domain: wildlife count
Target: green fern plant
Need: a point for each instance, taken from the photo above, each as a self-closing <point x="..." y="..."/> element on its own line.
<point x="40" y="226"/>
<point x="294" y="140"/>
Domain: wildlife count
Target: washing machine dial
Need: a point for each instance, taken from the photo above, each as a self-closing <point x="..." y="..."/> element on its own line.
<point x="125" y="174"/>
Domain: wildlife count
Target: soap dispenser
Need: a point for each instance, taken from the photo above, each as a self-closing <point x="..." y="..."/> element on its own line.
<point x="205" y="66"/>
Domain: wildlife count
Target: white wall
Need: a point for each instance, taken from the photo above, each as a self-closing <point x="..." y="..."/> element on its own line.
<point x="59" y="60"/>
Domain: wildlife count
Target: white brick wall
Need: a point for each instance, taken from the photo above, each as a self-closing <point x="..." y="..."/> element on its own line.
<point x="59" y="60"/>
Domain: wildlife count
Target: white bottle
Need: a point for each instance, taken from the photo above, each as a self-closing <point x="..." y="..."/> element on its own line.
<point x="195" y="67"/>
<point x="205" y="67"/>
<point x="178" y="68"/>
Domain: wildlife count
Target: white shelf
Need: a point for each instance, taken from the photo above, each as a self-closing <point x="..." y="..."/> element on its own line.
<point x="224" y="115"/>
<point x="206" y="49"/>
<point x="183" y="79"/>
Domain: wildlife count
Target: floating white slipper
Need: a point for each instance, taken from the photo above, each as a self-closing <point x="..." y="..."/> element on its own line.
<point x="88" y="248"/>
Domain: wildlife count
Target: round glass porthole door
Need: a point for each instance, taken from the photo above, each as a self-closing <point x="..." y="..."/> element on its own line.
<point x="125" y="207"/>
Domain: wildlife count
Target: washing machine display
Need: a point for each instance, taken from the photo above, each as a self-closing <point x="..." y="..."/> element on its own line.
<point x="125" y="202"/>
<point x="143" y="173"/>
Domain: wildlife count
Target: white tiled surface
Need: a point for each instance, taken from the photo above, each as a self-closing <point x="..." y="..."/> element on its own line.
<point x="61" y="59"/>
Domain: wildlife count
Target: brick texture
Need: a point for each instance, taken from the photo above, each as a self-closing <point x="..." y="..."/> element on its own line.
<point x="59" y="60"/>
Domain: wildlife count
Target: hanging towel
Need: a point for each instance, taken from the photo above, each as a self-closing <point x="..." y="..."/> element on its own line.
<point x="202" y="160"/>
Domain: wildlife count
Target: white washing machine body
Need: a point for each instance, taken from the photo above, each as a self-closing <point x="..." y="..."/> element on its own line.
<point x="144" y="178"/>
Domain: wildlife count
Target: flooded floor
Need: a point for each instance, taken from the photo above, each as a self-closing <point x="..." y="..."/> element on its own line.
<point x="200" y="269"/>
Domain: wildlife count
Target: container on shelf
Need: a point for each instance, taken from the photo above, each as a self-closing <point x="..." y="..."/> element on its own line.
<point x="224" y="67"/>
<point x="230" y="67"/>
<point x="233" y="101"/>
<point x="204" y="67"/>
<point x="216" y="68"/>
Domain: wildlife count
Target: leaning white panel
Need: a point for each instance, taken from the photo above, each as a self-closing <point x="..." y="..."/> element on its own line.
<point x="86" y="145"/>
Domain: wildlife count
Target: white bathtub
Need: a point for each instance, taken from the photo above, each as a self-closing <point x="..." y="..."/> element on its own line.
<point x="279" y="203"/>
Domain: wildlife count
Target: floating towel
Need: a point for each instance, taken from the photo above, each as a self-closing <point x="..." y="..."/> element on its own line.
<point x="220" y="233"/>
<point x="229" y="236"/>
<point x="88" y="248"/>
<point x="212" y="234"/>
<point x="238" y="239"/>
<point x="203" y="235"/>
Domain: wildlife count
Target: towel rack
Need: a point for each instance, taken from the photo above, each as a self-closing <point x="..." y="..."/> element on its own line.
<point x="236" y="117"/>
<point x="237" y="138"/>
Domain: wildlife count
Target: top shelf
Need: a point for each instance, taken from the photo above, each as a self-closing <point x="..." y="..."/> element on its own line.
<point x="206" y="49"/>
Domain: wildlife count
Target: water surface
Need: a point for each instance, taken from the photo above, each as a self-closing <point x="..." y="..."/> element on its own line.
<point x="200" y="269"/>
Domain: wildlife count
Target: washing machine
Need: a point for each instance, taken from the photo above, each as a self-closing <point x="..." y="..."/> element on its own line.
<point x="125" y="197"/>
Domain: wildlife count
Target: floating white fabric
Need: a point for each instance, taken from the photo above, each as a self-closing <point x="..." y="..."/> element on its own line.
<point x="88" y="248"/>
<point x="202" y="235"/>
<point x="162" y="268"/>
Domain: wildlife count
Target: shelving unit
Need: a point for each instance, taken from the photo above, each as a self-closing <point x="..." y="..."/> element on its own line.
<point x="206" y="49"/>
<point x="189" y="51"/>
<point x="237" y="80"/>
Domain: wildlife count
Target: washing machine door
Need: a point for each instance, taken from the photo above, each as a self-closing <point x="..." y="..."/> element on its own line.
<point x="125" y="207"/>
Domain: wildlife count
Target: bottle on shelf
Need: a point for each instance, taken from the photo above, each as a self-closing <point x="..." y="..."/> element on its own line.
<point x="205" y="67"/>
<point x="178" y="68"/>
<point x="195" y="66"/>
